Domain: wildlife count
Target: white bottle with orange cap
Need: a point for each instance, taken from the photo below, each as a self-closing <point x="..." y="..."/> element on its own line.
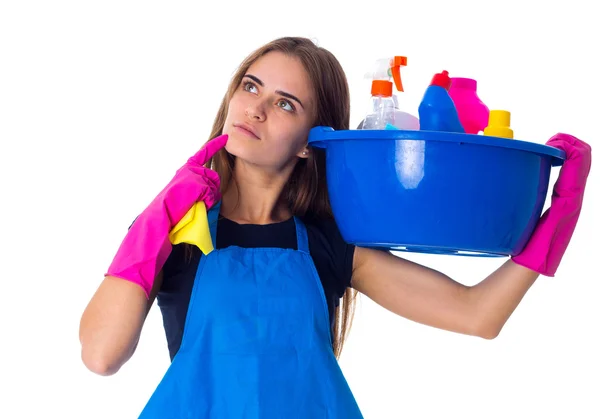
<point x="384" y="105"/>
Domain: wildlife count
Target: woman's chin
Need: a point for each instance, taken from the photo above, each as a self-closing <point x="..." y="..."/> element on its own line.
<point x="234" y="147"/>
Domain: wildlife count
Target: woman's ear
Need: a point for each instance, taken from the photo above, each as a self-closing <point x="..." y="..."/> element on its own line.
<point x="304" y="153"/>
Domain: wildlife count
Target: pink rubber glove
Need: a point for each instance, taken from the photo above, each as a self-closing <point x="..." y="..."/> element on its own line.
<point x="146" y="246"/>
<point x="553" y="232"/>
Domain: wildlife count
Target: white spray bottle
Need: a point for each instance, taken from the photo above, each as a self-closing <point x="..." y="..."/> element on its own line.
<point x="384" y="103"/>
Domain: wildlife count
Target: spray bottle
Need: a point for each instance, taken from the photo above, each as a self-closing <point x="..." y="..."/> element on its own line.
<point x="384" y="103"/>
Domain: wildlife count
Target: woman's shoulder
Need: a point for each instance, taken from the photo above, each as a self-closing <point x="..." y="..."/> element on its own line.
<point x="325" y="226"/>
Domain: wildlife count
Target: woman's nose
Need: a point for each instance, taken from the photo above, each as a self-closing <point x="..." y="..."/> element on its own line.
<point x="255" y="112"/>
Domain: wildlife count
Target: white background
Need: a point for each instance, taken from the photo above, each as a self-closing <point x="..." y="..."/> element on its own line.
<point x="100" y="102"/>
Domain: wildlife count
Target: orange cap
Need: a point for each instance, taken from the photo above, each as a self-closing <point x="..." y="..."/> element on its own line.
<point x="381" y="88"/>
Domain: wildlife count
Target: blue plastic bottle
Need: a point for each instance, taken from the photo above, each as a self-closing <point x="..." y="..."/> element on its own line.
<point x="437" y="111"/>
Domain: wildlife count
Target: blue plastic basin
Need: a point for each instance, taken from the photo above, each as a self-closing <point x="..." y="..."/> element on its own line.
<point x="435" y="192"/>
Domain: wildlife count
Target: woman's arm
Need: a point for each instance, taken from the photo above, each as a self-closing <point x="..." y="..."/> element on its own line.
<point x="429" y="297"/>
<point x="112" y="322"/>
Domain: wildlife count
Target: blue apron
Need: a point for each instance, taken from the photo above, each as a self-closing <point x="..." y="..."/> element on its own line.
<point x="257" y="341"/>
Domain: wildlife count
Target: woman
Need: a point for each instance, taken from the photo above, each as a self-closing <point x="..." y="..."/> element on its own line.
<point x="262" y="321"/>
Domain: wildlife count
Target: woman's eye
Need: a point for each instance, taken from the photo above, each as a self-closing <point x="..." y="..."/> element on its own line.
<point x="284" y="104"/>
<point x="249" y="87"/>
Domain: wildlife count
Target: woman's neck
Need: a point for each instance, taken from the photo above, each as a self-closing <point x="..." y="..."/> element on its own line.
<point x="253" y="196"/>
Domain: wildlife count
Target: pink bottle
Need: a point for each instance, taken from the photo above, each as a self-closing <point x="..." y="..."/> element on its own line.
<point x="472" y="112"/>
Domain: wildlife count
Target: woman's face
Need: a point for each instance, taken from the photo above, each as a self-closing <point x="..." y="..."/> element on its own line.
<point x="271" y="112"/>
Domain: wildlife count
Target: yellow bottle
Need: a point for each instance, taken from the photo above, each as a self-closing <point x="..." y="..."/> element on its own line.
<point x="499" y="125"/>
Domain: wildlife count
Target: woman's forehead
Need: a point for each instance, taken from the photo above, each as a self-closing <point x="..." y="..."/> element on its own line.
<point x="278" y="71"/>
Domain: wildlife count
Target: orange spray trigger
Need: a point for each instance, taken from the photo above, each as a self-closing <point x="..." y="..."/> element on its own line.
<point x="397" y="62"/>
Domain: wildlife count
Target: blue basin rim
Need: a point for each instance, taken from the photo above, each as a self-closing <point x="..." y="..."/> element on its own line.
<point x="320" y="135"/>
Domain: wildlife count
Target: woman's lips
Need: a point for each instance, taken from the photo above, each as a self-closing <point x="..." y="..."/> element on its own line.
<point x="246" y="131"/>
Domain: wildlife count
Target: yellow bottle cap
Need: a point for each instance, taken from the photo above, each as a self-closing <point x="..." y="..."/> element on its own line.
<point x="499" y="125"/>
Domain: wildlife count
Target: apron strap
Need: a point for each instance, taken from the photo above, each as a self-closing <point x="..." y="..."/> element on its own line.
<point x="302" y="236"/>
<point x="213" y="220"/>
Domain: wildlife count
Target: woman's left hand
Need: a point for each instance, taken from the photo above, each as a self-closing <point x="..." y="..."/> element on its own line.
<point x="552" y="235"/>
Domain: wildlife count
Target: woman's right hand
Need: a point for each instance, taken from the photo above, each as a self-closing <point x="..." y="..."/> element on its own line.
<point x="146" y="245"/>
<point x="193" y="180"/>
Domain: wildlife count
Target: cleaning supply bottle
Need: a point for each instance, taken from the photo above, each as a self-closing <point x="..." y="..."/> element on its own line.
<point x="384" y="103"/>
<point x="437" y="111"/>
<point x="472" y="112"/>
<point x="499" y="125"/>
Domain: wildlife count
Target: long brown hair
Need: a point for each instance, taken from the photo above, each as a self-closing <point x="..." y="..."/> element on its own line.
<point x="306" y="190"/>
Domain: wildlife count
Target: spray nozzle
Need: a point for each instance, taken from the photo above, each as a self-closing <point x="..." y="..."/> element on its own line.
<point x="386" y="70"/>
